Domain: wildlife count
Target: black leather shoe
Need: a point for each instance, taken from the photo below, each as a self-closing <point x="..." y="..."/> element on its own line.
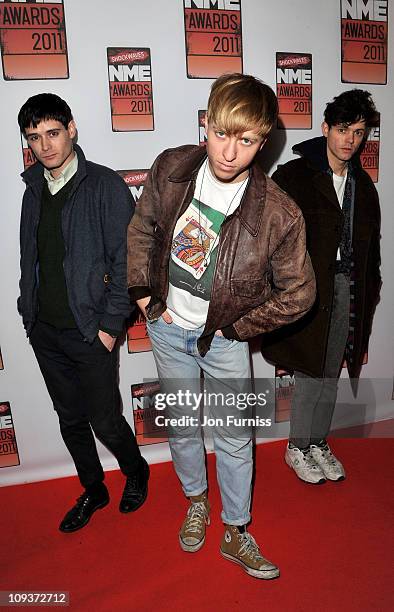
<point x="135" y="490"/>
<point x="80" y="514"/>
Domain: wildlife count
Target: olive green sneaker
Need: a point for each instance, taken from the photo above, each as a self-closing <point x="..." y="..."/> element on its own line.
<point x="192" y="533"/>
<point x="240" y="547"/>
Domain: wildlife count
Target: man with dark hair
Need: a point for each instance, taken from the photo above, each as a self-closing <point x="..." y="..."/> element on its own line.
<point x="341" y="210"/>
<point x="74" y="299"/>
<point x="216" y="256"/>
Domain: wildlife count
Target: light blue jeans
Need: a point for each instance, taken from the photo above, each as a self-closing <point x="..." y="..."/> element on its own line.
<point x="177" y="359"/>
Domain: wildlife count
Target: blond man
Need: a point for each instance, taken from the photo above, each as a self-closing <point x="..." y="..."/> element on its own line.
<point x="216" y="256"/>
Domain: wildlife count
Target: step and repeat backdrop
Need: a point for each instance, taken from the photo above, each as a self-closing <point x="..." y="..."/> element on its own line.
<point x="137" y="77"/>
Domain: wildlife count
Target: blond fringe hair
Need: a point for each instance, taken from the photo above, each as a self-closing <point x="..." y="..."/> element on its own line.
<point x="240" y="102"/>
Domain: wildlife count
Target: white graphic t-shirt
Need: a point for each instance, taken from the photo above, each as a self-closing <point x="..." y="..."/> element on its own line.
<point x="194" y="247"/>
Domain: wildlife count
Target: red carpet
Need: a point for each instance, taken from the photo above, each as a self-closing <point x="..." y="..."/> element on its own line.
<point x="333" y="543"/>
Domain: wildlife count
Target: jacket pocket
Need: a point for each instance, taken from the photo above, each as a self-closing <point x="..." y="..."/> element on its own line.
<point x="250" y="288"/>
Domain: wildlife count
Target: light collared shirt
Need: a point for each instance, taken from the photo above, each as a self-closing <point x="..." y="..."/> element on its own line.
<point x="56" y="184"/>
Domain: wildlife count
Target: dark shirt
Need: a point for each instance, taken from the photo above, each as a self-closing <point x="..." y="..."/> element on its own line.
<point x="52" y="291"/>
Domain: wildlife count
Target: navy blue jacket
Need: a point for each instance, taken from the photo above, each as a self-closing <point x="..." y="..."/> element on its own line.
<point x="94" y="225"/>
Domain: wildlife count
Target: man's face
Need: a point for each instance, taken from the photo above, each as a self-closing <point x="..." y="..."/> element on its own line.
<point x="230" y="155"/>
<point x="343" y="141"/>
<point x="52" y="144"/>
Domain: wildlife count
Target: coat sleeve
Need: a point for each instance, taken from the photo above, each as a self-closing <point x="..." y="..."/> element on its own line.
<point x="141" y="237"/>
<point x="374" y="262"/>
<point x="293" y="282"/>
<point x="117" y="210"/>
<point x="375" y="248"/>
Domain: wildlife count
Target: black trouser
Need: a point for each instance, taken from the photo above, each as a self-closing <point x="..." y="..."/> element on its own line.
<point x="81" y="379"/>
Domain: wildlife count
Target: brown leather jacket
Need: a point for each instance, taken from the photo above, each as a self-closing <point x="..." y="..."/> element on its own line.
<point x="263" y="277"/>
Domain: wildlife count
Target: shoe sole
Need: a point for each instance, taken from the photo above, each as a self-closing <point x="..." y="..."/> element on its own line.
<point x="319" y="482"/>
<point x="191" y="547"/>
<point x="99" y="507"/>
<point x="339" y="479"/>
<point x="142" y="500"/>
<point x="262" y="574"/>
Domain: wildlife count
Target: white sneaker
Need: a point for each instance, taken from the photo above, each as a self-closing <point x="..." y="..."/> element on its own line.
<point x="304" y="465"/>
<point x="331" y="467"/>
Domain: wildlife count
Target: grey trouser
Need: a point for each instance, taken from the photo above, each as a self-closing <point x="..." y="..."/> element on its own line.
<point x="314" y="399"/>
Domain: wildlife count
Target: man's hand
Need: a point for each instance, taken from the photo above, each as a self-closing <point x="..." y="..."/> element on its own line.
<point x="143" y="303"/>
<point x="166" y="317"/>
<point x="107" y="340"/>
<point x="218" y="332"/>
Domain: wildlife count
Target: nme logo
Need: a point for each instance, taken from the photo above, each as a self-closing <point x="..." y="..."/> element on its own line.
<point x="221" y="5"/>
<point x="124" y="73"/>
<point x="289" y="75"/>
<point x="372" y="10"/>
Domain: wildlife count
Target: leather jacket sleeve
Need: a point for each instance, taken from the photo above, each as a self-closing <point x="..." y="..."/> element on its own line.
<point x="293" y="286"/>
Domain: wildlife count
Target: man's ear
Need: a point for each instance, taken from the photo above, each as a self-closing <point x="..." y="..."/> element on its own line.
<point x="206" y="123"/>
<point x="263" y="142"/>
<point x="72" y="129"/>
<point x="325" y="128"/>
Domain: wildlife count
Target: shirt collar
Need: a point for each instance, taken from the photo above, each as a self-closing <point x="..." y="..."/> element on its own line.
<point x="63" y="178"/>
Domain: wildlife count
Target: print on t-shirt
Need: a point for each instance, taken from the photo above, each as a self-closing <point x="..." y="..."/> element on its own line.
<point x="194" y="249"/>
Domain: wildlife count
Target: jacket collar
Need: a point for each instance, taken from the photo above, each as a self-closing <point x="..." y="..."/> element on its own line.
<point x="250" y="210"/>
<point x="34" y="176"/>
<point x="190" y="166"/>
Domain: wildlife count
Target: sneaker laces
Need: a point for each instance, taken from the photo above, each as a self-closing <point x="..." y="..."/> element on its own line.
<point x="309" y="457"/>
<point x="249" y="547"/>
<point x="327" y="454"/>
<point x="196" y="514"/>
